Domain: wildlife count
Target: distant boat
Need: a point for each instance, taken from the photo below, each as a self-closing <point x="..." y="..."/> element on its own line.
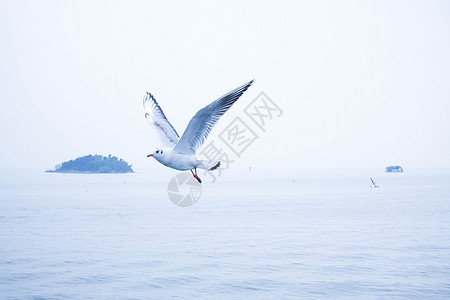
<point x="373" y="185"/>
<point x="394" y="169"/>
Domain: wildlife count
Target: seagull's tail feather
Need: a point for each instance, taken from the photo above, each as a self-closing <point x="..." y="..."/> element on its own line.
<point x="209" y="165"/>
<point x="214" y="166"/>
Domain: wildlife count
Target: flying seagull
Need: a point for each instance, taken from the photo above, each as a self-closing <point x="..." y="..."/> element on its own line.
<point x="373" y="185"/>
<point x="179" y="153"/>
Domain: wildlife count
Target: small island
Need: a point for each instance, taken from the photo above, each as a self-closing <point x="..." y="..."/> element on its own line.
<point x="94" y="164"/>
<point x="394" y="169"/>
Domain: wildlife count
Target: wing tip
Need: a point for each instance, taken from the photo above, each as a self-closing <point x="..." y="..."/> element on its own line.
<point x="241" y="90"/>
<point x="147" y="97"/>
<point x="244" y="87"/>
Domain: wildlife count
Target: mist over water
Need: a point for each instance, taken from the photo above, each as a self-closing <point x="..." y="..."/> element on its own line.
<point x="327" y="235"/>
<point x="353" y="84"/>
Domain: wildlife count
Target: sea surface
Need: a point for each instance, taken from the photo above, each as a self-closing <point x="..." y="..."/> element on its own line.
<point x="327" y="235"/>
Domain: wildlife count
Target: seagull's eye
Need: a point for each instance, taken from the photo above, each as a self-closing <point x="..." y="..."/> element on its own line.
<point x="157" y="151"/>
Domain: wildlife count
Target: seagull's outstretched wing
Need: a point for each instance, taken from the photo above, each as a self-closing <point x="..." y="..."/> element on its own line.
<point x="204" y="120"/>
<point x="154" y="114"/>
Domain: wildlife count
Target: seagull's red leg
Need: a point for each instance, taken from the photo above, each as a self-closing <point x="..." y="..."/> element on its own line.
<point x="195" y="175"/>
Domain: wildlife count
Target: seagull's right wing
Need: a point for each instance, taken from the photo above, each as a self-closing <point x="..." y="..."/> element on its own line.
<point x="154" y="114"/>
<point x="204" y="120"/>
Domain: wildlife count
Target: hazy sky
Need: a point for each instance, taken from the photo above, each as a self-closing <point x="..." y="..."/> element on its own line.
<point x="360" y="83"/>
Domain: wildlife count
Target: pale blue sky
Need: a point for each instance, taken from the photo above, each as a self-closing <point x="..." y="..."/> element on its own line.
<point x="361" y="83"/>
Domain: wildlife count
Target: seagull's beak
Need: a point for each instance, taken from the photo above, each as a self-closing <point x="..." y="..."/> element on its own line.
<point x="149" y="155"/>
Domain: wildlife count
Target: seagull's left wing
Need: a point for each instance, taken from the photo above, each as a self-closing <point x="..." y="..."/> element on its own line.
<point x="204" y="120"/>
<point x="154" y="114"/>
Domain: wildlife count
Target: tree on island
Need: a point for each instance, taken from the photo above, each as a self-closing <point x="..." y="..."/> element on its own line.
<point x="94" y="164"/>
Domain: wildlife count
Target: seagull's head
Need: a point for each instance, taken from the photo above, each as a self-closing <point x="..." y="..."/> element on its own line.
<point x="157" y="153"/>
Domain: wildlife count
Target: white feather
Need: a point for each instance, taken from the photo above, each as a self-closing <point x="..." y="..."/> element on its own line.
<point x="204" y="120"/>
<point x="154" y="114"/>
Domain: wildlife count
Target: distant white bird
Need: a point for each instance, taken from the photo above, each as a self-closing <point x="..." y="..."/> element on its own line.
<point x="179" y="153"/>
<point x="373" y="185"/>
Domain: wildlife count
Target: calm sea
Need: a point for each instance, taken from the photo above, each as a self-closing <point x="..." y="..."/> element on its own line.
<point x="326" y="236"/>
